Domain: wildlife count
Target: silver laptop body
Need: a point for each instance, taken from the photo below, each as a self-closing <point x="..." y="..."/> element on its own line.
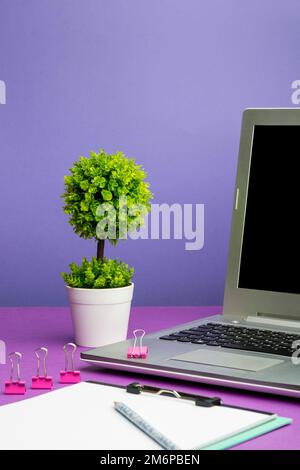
<point x="254" y="344"/>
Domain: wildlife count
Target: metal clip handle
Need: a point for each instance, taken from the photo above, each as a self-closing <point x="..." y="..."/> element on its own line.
<point x="18" y="357"/>
<point x="136" y="338"/>
<point x="67" y="355"/>
<point x="36" y="352"/>
<point x="137" y="388"/>
<point x="169" y="392"/>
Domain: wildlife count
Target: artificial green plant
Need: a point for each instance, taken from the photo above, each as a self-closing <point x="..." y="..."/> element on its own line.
<point x="104" y="191"/>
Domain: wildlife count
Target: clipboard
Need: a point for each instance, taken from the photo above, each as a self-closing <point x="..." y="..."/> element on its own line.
<point x="277" y="422"/>
<point x="82" y="416"/>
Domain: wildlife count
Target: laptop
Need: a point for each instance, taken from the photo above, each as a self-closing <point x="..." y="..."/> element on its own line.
<point x="254" y="344"/>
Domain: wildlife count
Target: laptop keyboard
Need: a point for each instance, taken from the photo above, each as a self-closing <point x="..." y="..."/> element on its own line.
<point x="237" y="337"/>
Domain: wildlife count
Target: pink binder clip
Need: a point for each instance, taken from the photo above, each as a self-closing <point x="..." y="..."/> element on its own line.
<point x="68" y="376"/>
<point x="44" y="382"/>
<point x="15" y="387"/>
<point x="138" y="352"/>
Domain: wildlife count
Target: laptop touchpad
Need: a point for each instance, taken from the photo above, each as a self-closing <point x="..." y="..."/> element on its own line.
<point x="227" y="359"/>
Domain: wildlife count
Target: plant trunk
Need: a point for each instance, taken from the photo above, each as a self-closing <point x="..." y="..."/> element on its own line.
<point x="100" y="249"/>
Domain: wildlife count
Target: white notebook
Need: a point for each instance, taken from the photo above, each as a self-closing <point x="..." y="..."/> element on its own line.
<point x="82" y="416"/>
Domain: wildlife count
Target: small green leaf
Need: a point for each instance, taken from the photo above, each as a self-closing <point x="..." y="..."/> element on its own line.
<point x="84" y="185"/>
<point x="107" y="195"/>
<point x="84" y="206"/>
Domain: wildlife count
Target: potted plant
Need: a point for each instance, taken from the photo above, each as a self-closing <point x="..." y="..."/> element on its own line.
<point x="106" y="196"/>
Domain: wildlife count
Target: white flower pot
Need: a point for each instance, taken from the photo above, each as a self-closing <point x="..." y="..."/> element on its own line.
<point x="100" y="316"/>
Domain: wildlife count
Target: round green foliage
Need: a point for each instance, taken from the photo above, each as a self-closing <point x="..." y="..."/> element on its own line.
<point x="98" y="274"/>
<point x="104" y="178"/>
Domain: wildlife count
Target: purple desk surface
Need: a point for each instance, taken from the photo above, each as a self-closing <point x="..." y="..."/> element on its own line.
<point x="24" y="329"/>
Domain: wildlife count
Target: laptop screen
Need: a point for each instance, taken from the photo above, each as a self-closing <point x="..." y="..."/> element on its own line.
<point x="270" y="258"/>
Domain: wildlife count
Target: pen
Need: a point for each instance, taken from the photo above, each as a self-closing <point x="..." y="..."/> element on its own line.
<point x="138" y="421"/>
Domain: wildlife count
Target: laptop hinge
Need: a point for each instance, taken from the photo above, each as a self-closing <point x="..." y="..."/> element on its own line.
<point x="268" y="320"/>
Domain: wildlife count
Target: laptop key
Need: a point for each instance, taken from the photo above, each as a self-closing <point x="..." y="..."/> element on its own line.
<point x="179" y="335"/>
<point x="247" y="347"/>
<point x="198" y="336"/>
<point x="284" y="352"/>
<point x="169" y="337"/>
<point x="189" y="333"/>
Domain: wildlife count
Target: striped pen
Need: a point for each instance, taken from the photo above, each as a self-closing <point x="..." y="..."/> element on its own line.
<point x="138" y="421"/>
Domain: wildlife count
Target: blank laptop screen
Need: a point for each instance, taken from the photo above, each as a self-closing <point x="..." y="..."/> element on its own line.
<point x="270" y="258"/>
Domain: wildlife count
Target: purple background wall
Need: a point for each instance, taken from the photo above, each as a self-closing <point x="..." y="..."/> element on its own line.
<point x="163" y="80"/>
